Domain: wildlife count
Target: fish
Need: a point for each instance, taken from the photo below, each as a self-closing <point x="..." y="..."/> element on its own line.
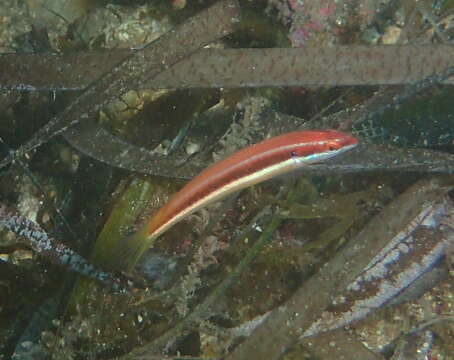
<point x="252" y="165"/>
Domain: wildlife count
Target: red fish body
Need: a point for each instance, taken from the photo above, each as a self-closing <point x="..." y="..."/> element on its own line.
<point x="252" y="165"/>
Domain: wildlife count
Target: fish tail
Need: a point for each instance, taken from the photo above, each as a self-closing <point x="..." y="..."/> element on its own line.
<point x="131" y="248"/>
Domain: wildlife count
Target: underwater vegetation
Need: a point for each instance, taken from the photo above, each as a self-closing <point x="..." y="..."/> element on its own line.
<point x="110" y="108"/>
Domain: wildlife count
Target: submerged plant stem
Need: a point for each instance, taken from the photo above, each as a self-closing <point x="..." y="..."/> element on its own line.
<point x="201" y="311"/>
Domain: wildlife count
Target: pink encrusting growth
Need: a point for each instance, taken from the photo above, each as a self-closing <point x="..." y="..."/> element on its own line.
<point x="246" y="167"/>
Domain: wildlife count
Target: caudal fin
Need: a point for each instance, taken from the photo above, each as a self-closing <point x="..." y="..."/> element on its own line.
<point x="129" y="250"/>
